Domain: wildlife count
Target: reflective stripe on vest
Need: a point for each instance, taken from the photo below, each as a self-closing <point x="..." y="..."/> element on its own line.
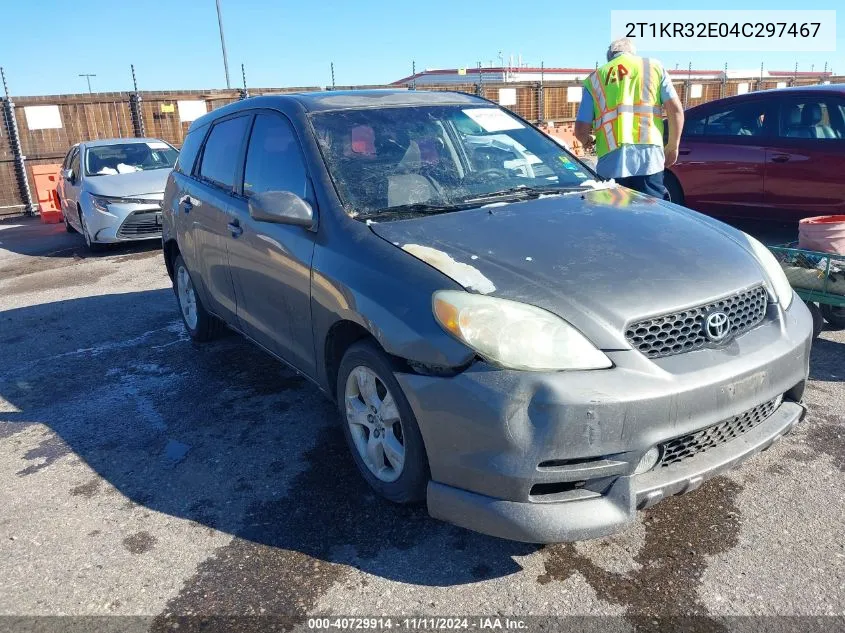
<point x="626" y="102"/>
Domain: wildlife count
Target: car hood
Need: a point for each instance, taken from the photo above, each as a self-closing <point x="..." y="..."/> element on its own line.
<point x="127" y="185"/>
<point x="600" y="259"/>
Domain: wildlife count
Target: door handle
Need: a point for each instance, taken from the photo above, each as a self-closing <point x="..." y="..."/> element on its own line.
<point x="780" y="158"/>
<point x="186" y="203"/>
<point x="235" y="227"/>
<point x="684" y="151"/>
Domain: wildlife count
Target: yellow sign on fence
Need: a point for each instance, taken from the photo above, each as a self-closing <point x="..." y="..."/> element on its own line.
<point x="168" y="108"/>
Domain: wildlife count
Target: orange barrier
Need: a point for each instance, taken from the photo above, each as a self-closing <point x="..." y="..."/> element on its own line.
<point x="564" y="132"/>
<point x="46" y="178"/>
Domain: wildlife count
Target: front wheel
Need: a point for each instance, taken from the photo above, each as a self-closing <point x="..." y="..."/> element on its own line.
<point x="380" y="427"/>
<point x="673" y="187"/>
<point x="93" y="246"/>
<point x="818" y="321"/>
<point x="834" y="315"/>
<point x="201" y="325"/>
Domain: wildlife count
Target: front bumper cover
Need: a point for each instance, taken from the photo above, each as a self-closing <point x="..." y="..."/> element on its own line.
<point x="495" y="437"/>
<point x="608" y="513"/>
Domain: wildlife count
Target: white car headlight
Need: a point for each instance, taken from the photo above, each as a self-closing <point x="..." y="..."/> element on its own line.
<point x="780" y="286"/>
<point x="100" y="203"/>
<point x="515" y="335"/>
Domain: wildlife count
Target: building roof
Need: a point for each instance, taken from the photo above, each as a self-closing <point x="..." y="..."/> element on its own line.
<point x="551" y="72"/>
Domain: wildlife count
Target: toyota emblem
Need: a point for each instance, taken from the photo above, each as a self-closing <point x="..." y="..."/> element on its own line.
<point x="717" y="326"/>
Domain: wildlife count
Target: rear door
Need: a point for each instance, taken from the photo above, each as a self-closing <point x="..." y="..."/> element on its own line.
<point x="722" y="157"/>
<point x="805" y="161"/>
<point x="207" y="206"/>
<point x="271" y="263"/>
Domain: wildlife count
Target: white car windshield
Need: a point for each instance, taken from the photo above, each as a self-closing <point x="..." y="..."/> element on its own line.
<point x="439" y="157"/>
<point x="126" y="158"/>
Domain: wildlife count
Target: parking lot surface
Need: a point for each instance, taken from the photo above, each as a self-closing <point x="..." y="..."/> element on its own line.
<point x="143" y="474"/>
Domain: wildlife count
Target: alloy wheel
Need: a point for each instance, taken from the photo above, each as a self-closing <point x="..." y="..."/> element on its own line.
<point x="375" y="424"/>
<point x="187" y="297"/>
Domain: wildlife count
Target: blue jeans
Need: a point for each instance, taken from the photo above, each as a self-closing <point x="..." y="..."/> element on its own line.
<point x="651" y="184"/>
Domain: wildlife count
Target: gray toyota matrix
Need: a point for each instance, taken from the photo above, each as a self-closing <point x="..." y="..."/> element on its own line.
<point x="535" y="354"/>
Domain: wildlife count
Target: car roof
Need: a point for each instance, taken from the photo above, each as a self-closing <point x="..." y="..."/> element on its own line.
<point x="118" y="141"/>
<point x="767" y="94"/>
<point x="345" y="100"/>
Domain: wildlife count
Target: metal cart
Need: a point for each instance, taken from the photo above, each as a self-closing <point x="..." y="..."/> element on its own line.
<point x="819" y="279"/>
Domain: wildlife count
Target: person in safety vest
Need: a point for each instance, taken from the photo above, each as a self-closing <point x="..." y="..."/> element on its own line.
<point x="621" y="113"/>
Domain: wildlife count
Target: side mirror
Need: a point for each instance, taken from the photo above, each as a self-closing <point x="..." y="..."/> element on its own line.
<point x="67" y="174"/>
<point x="281" y="207"/>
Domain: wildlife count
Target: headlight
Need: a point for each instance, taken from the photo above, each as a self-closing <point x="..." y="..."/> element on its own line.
<point x="779" y="283"/>
<point x="101" y="204"/>
<point x="515" y="335"/>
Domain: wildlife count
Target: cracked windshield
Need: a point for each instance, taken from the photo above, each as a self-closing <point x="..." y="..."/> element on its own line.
<point x="433" y="159"/>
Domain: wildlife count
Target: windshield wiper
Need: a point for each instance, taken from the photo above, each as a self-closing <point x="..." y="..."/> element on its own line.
<point x="416" y="208"/>
<point x="520" y="192"/>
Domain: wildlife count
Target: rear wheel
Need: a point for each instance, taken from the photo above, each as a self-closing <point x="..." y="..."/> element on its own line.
<point x="835" y="315"/>
<point x="380" y="427"/>
<point x="818" y="321"/>
<point x="201" y="325"/>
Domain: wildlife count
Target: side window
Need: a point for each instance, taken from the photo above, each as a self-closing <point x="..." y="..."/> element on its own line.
<point x="189" y="151"/>
<point x="744" y="119"/>
<point x="66" y="161"/>
<point x="810" y="118"/>
<point x="274" y="161"/>
<point x="220" y="155"/>
<point x="74" y="164"/>
<point x="693" y="125"/>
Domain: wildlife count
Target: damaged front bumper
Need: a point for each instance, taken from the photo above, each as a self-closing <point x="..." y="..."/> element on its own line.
<point x="550" y="457"/>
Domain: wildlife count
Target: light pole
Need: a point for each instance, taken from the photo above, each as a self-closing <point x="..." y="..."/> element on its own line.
<point x="88" y="78"/>
<point x="223" y="45"/>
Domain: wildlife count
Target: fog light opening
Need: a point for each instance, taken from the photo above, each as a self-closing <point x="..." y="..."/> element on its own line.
<point x="648" y="461"/>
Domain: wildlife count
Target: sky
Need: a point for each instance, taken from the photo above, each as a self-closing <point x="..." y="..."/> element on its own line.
<point x="176" y="44"/>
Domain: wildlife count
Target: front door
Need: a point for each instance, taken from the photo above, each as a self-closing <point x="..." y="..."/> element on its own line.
<point x="271" y="263"/>
<point x="722" y="157"/>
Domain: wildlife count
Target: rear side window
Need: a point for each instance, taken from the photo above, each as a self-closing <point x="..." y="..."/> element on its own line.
<point x="189" y="151"/>
<point x="220" y="156"/>
<point x="274" y="161"/>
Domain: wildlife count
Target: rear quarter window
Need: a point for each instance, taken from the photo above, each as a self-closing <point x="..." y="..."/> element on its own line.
<point x="190" y="149"/>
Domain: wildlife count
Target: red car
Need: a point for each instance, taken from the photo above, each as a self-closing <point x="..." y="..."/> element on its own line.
<point x="774" y="154"/>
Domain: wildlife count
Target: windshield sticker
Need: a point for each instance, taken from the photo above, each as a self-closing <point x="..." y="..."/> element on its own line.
<point x="493" y="119"/>
<point x="158" y="145"/>
<point x="568" y="164"/>
<point x="580" y="174"/>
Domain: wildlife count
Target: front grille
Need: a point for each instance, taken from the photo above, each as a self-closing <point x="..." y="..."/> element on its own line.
<point x="686" y="446"/>
<point x="680" y="332"/>
<point x="141" y="224"/>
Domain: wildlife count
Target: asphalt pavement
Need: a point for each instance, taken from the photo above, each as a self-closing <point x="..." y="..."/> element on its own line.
<point x="144" y="475"/>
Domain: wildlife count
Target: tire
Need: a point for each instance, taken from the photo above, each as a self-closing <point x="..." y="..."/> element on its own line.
<point x="405" y="484"/>
<point x="200" y="324"/>
<point x="818" y="321"/>
<point x="90" y="244"/>
<point x="68" y="227"/>
<point x="834" y="315"/>
<point x="673" y="186"/>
